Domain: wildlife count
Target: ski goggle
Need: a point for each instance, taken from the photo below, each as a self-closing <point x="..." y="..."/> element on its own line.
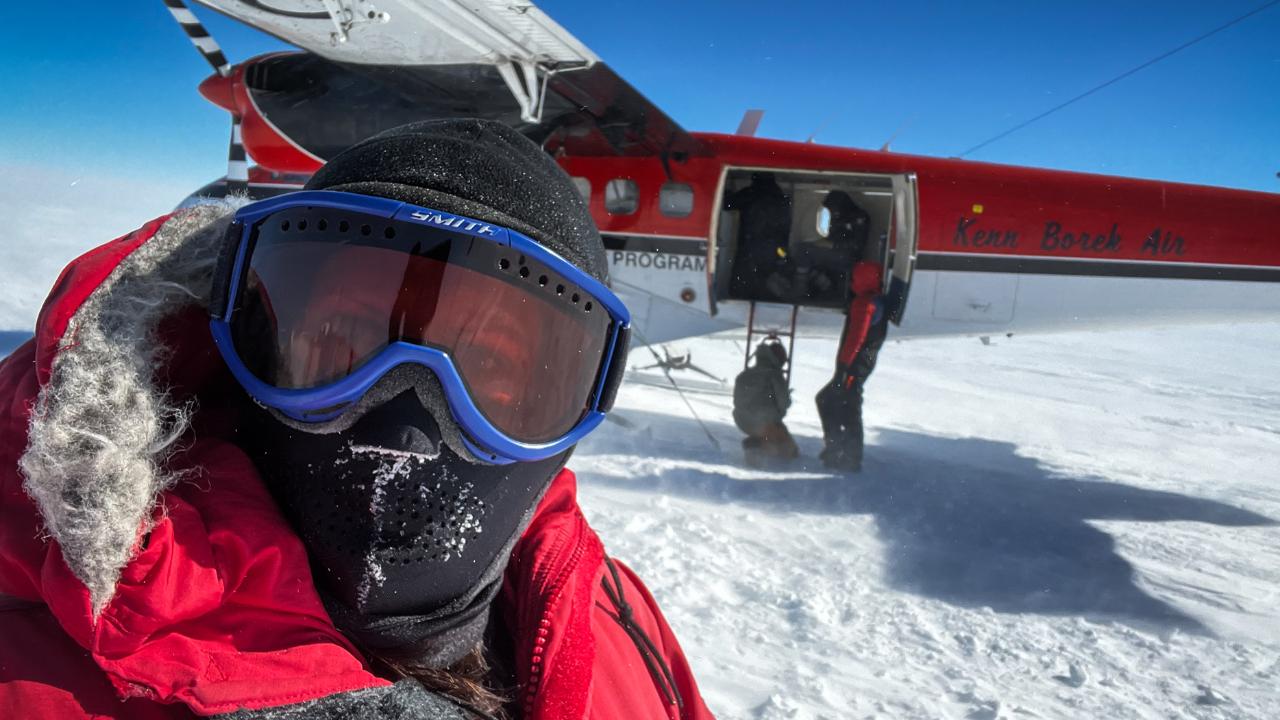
<point x="320" y="293"/>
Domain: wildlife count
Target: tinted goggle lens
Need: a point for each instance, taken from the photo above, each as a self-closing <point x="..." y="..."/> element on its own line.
<point x="322" y="292"/>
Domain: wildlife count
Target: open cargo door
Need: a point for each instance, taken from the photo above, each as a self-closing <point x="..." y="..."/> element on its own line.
<point x="904" y="240"/>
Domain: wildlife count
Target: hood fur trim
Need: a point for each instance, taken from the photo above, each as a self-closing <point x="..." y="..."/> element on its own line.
<point x="101" y="429"/>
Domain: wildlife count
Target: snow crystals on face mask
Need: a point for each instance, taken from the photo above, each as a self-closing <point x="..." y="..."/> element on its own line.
<point x="376" y="451"/>
<point x="393" y="466"/>
<point x="371" y="577"/>
<point x="462" y="512"/>
<point x="399" y="496"/>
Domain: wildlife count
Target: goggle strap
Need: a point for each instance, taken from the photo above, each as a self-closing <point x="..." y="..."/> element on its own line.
<point x="617" y="368"/>
<point x="219" y="294"/>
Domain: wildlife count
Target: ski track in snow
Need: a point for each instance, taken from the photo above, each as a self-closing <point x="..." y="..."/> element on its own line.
<point x="1073" y="526"/>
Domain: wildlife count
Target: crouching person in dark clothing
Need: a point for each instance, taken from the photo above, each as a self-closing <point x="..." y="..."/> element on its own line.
<point x="760" y="401"/>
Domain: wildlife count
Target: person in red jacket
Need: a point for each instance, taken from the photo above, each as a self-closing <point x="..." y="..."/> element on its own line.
<point x="840" y="400"/>
<point x="344" y="496"/>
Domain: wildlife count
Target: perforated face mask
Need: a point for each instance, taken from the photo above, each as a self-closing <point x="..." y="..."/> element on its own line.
<point x="395" y="522"/>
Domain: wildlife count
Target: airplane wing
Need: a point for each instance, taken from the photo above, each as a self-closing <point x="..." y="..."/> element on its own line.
<point x="414" y="32"/>
<point x="377" y="64"/>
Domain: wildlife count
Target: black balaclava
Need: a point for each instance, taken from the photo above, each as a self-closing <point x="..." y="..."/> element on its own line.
<point x="408" y="533"/>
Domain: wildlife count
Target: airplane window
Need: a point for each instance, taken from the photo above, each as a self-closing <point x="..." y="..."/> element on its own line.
<point x="584" y="188"/>
<point x="675" y="200"/>
<point x="621" y="196"/>
<point x="824" y="221"/>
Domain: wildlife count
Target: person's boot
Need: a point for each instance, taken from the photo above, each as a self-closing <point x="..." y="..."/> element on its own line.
<point x="779" y="443"/>
<point x="841" y="459"/>
<point x="752" y="450"/>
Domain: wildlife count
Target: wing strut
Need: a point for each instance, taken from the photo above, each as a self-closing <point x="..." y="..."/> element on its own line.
<point x="528" y="85"/>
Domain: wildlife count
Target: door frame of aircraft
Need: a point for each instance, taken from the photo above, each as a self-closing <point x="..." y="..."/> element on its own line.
<point x="903" y="245"/>
<point x="897" y="252"/>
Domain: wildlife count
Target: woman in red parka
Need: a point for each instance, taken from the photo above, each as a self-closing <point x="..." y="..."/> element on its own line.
<point x="344" y="496"/>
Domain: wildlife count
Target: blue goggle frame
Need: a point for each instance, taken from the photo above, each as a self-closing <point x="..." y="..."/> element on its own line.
<point x="325" y="402"/>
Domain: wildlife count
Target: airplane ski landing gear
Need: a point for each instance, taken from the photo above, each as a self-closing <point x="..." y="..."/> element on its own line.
<point x="679" y="362"/>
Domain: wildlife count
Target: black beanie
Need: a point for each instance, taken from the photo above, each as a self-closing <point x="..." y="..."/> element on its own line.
<point x="477" y="168"/>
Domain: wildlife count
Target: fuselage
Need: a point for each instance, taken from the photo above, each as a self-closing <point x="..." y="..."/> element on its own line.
<point x="998" y="249"/>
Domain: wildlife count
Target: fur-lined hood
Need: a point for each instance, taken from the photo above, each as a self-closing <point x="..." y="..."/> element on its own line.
<point x="101" y="428"/>
<point x="135" y="521"/>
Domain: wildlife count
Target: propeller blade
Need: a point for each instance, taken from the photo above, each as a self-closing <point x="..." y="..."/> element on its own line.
<point x="237" y="161"/>
<point x="199" y="36"/>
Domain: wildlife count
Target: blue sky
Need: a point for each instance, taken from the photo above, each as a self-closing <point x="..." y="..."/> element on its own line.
<point x="111" y="87"/>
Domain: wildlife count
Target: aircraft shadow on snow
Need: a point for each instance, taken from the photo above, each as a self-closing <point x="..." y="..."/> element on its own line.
<point x="966" y="521"/>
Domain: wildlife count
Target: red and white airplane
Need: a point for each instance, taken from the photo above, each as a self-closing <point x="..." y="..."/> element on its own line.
<point x="969" y="248"/>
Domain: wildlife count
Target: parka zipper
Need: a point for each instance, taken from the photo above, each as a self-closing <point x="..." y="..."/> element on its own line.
<point x="544" y="620"/>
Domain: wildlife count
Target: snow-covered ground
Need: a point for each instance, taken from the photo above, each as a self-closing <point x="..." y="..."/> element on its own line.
<point x="1080" y="526"/>
<point x="52" y="216"/>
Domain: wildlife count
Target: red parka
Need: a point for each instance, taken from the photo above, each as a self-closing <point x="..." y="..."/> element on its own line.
<point x="213" y="607"/>
<point x="864" y="283"/>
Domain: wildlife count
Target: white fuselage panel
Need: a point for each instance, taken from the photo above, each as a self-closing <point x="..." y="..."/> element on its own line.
<point x="963" y="303"/>
<point x="667" y="295"/>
